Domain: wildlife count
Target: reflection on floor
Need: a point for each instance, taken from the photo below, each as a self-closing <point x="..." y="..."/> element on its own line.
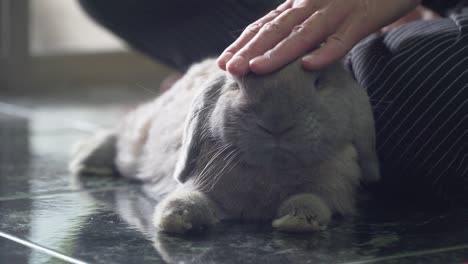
<point x="49" y="216"/>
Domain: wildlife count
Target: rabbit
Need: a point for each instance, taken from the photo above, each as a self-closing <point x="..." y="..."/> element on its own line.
<point x="290" y="148"/>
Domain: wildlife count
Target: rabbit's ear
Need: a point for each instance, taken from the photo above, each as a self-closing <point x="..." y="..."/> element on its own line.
<point x="197" y="119"/>
<point x="364" y="138"/>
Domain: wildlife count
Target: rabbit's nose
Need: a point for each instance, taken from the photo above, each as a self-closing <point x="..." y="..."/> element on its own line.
<point x="275" y="132"/>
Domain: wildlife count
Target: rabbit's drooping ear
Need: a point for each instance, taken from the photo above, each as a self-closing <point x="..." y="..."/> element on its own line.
<point x="364" y="137"/>
<point x="196" y="123"/>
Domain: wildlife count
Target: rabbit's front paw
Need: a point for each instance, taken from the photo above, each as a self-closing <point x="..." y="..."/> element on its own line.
<point x="184" y="211"/>
<point x="302" y="213"/>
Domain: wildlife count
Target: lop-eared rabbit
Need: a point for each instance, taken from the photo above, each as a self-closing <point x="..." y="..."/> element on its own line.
<point x="290" y="148"/>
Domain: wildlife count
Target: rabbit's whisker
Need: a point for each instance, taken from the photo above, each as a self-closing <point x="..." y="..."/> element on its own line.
<point x="203" y="174"/>
<point x="152" y="92"/>
<point x="207" y="177"/>
<point x="231" y="156"/>
<point x="211" y="151"/>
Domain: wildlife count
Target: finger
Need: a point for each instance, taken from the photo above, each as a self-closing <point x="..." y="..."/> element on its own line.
<point x="249" y="32"/>
<point x="302" y="38"/>
<point x="333" y="50"/>
<point x="336" y="45"/>
<point x="268" y="36"/>
<point x="286" y="5"/>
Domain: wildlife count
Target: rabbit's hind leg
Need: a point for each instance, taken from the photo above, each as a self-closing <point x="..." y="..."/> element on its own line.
<point x="95" y="155"/>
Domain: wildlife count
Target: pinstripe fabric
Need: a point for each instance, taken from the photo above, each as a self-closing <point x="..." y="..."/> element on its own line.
<point x="417" y="79"/>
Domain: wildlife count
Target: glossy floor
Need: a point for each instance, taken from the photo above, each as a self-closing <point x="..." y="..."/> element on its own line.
<point x="50" y="216"/>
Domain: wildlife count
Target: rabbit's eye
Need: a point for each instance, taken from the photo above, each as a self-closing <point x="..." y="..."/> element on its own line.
<point x="234" y="87"/>
<point x="244" y="110"/>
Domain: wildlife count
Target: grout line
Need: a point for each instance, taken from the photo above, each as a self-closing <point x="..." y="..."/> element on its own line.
<point x="42" y="249"/>
<point x="411" y="254"/>
<point x="24" y="112"/>
<point x="52" y="194"/>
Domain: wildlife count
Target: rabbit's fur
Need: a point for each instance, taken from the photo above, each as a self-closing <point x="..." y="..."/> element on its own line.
<point x="291" y="147"/>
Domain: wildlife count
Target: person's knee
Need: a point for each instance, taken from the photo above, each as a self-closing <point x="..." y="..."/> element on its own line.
<point x="402" y="47"/>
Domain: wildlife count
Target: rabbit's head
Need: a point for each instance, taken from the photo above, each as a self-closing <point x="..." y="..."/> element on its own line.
<point x="290" y="119"/>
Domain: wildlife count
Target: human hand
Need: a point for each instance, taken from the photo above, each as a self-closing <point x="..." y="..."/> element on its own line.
<point x="298" y="26"/>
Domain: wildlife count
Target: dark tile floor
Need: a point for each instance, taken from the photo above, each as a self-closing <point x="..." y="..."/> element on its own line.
<point x="49" y="216"/>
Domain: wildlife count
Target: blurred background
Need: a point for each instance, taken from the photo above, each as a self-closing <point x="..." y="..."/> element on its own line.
<point x="62" y="77"/>
<point x="53" y="46"/>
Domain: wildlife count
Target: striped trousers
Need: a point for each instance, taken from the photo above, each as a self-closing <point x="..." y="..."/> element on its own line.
<point x="417" y="79"/>
<point x="416" y="76"/>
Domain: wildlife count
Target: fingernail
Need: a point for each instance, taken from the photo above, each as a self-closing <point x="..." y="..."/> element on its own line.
<point x="308" y="58"/>
<point x="237" y="66"/>
<point x="223" y="59"/>
<point x="309" y="61"/>
<point x="257" y="63"/>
